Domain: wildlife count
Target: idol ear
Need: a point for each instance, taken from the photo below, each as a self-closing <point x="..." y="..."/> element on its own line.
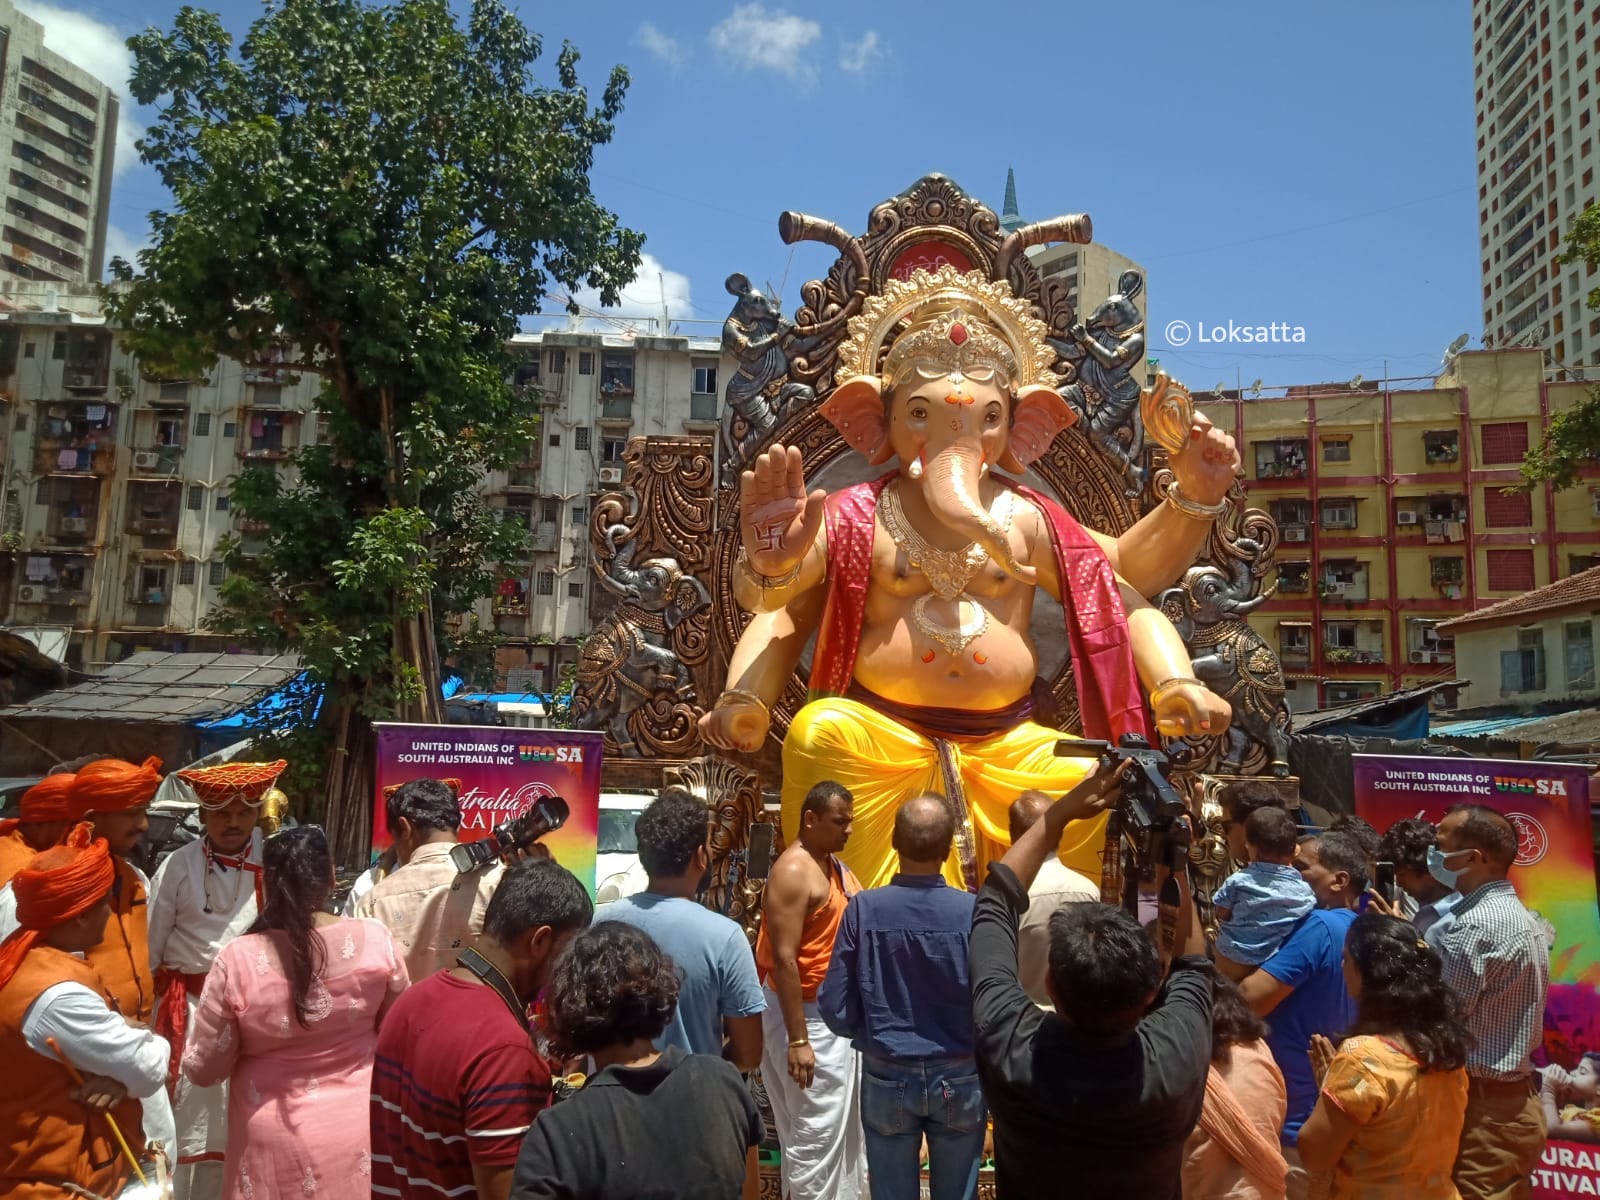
<point x="856" y="411"/>
<point x="1040" y="414"/>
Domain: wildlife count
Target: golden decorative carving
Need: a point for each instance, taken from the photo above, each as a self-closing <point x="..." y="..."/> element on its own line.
<point x="732" y="796"/>
<point x="1168" y="413"/>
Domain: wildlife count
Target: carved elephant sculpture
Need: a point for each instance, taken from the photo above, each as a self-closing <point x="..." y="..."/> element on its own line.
<point x="1209" y="609"/>
<point x="628" y="659"/>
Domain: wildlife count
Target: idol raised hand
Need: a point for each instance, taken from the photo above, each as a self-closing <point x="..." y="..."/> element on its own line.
<point x="778" y="520"/>
<point x="1208" y="463"/>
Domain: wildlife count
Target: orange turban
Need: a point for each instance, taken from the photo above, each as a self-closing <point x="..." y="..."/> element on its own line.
<point x="63" y="882"/>
<point x="48" y="800"/>
<point x="110" y="785"/>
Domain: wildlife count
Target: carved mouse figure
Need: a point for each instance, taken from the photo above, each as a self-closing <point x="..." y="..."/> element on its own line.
<point x="758" y="391"/>
<point x="1106" y="352"/>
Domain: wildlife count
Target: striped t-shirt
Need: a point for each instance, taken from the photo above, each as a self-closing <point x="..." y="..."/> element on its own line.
<point x="456" y="1082"/>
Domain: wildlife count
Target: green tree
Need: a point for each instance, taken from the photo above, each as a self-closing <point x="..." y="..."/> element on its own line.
<point x="1572" y="441"/>
<point x="380" y="191"/>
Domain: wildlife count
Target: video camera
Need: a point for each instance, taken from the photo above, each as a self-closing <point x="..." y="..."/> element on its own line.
<point x="1149" y="806"/>
<point x="548" y="814"/>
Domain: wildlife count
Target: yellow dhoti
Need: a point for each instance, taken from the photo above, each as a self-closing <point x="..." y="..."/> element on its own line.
<point x="885" y="763"/>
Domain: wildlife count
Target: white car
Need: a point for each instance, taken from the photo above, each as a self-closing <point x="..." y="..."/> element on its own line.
<point x="617" y="872"/>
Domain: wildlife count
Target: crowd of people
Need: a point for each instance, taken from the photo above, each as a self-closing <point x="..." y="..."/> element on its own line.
<point x="493" y="1034"/>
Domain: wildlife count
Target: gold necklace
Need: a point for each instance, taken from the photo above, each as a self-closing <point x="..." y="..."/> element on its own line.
<point x="955" y="639"/>
<point x="948" y="571"/>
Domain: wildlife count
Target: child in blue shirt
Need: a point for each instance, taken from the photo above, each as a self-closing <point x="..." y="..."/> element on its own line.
<point x="1259" y="906"/>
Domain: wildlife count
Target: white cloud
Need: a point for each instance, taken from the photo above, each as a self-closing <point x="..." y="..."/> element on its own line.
<point x="666" y="48"/>
<point x="99" y="49"/>
<point x="121" y="243"/>
<point x="754" y="38"/>
<point x="641" y="307"/>
<point x="856" y="57"/>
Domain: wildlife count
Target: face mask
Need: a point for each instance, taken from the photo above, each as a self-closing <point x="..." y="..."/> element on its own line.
<point x="1438" y="870"/>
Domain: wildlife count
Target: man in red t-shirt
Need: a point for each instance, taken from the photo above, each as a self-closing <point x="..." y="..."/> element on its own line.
<point x="457" y="1081"/>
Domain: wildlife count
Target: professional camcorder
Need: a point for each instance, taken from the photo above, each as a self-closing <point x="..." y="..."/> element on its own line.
<point x="548" y="814"/>
<point x="1149" y="807"/>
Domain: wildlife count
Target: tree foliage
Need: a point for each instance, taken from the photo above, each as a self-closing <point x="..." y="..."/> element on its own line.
<point x="378" y="191"/>
<point x="1571" y="442"/>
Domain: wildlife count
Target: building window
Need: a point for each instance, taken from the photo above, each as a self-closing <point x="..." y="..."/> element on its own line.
<point x="1281" y="460"/>
<point x="558" y="362"/>
<point x="186" y="574"/>
<point x="1502" y="511"/>
<point x="1294" y="577"/>
<point x="1505" y="442"/>
<point x="58" y="347"/>
<point x="269" y="395"/>
<point x="555" y="439"/>
<point x="550" y="512"/>
<point x="219" y="572"/>
<point x="21" y="425"/>
<point x="29" y="349"/>
<point x="41" y="492"/>
<point x="585" y="362"/>
<point x="175" y="392"/>
<point x="1339" y="514"/>
<point x="202" y="424"/>
<point x="1580" y="655"/>
<point x="575" y="590"/>
<point x="197" y="497"/>
<point x="616" y="373"/>
<point x="1522" y="669"/>
<point x="224" y="502"/>
<point x="580" y="438"/>
<point x="1510" y="570"/>
<point x="1442" y="446"/>
<point x="579" y="513"/>
<point x="1582" y="562"/>
<point x="230" y="429"/>
<point x="527" y="372"/>
<point x="544" y="583"/>
<point x="705" y="379"/>
<point x="612" y="450"/>
<point x="1336" y="450"/>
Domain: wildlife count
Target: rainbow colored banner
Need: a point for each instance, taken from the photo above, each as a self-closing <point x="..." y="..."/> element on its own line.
<point x="502" y="771"/>
<point x="1554" y="875"/>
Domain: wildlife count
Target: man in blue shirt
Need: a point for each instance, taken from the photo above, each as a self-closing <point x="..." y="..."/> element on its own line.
<point x="719" y="996"/>
<point x="897" y="987"/>
<point x="1301" y="989"/>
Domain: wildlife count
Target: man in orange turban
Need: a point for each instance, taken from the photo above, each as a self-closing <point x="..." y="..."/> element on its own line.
<point x="114" y="797"/>
<point x="53" y="1136"/>
<point x="46" y="815"/>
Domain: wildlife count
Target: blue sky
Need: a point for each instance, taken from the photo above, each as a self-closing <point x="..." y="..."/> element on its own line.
<point x="1266" y="162"/>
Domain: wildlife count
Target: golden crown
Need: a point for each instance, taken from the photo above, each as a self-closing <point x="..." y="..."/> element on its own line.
<point x="962" y="323"/>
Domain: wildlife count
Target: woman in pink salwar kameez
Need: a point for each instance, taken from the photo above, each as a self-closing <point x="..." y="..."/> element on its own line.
<point x="289" y="1016"/>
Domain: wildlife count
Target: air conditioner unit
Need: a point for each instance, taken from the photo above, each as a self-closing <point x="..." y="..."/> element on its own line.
<point x="1594" y="501"/>
<point x="1420" y="656"/>
<point x="146" y="460"/>
<point x="1405" y="518"/>
<point x="610" y="474"/>
<point x="1294" y="535"/>
<point x="27" y="595"/>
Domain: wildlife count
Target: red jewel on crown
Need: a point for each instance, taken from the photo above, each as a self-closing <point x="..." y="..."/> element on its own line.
<point x="958" y="333"/>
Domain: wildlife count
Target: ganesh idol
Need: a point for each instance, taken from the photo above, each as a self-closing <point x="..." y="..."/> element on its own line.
<point x="919" y="585"/>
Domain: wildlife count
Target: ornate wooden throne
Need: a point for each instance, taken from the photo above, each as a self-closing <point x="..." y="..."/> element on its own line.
<point x="658" y="660"/>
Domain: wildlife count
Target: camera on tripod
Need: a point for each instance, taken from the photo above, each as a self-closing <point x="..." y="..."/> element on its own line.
<point x="548" y="814"/>
<point x="1148" y="809"/>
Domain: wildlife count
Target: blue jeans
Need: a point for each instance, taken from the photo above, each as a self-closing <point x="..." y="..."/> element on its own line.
<point x="903" y="1100"/>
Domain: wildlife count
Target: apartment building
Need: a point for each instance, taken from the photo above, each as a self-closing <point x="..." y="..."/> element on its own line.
<point x="58" y="131"/>
<point x="1536" y="77"/>
<point x="1090" y="273"/>
<point x="1393" y="516"/>
<point x="116" y="488"/>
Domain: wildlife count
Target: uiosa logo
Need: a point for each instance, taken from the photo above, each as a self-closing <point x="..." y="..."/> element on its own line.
<point x="1533" y="843"/>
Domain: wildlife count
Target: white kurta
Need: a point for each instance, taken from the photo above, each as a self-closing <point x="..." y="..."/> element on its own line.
<point x="185" y="937"/>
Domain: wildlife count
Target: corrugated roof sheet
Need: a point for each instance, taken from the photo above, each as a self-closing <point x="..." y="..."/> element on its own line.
<point x="1486" y="727"/>
<point x="166" y="689"/>
<point x="1574" y="591"/>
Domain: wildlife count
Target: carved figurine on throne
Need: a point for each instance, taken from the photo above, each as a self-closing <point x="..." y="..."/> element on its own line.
<point x="919" y="585"/>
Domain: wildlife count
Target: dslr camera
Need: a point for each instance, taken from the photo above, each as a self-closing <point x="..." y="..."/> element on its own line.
<point x="1149" y="806"/>
<point x="548" y="814"/>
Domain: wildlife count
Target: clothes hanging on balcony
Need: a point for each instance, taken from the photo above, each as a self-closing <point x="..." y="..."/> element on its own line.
<point x="257" y="426"/>
<point x="38" y="569"/>
<point x="67" y="460"/>
<point x="95" y="414"/>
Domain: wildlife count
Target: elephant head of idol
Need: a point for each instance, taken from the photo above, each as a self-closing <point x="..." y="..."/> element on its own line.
<point x="950" y="373"/>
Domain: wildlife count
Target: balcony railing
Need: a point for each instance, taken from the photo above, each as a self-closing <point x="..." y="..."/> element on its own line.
<point x="617" y="409"/>
<point x="702" y="408"/>
<point x="75" y="458"/>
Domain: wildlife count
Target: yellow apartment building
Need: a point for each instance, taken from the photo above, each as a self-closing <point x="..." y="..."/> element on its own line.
<point x="1393" y="516"/>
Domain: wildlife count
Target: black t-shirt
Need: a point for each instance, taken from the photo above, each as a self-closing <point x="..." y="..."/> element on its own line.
<point x="1076" y="1113"/>
<point x="678" y="1129"/>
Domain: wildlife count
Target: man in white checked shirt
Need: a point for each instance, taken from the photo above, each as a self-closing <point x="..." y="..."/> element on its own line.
<point x="1497" y="963"/>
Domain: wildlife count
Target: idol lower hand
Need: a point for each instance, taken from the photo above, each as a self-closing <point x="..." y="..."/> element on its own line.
<point x="736" y="725"/>
<point x="1208" y="463"/>
<point x="1190" y="709"/>
<point x="778" y="520"/>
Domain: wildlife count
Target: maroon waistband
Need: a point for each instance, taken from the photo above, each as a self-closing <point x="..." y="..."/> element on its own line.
<point x="946" y="722"/>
